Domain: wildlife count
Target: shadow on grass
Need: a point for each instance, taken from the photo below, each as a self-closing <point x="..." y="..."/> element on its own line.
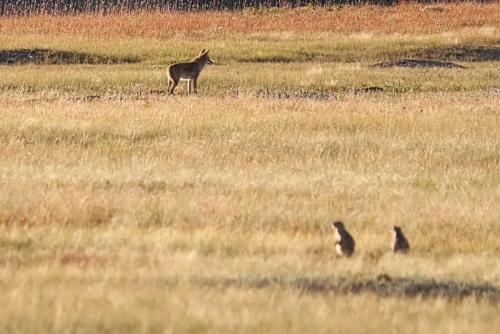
<point x="318" y="94"/>
<point x="414" y="63"/>
<point x="48" y="56"/>
<point x="441" y="57"/>
<point x="430" y="55"/>
<point x="474" y="54"/>
<point x="383" y="286"/>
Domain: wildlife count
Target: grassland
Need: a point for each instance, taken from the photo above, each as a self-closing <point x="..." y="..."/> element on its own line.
<point x="124" y="210"/>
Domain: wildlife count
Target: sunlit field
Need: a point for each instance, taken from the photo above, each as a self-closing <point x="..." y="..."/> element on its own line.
<point x="123" y="209"/>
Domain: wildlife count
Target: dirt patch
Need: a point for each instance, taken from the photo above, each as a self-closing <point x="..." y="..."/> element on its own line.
<point x="48" y="56"/>
<point x="413" y="63"/>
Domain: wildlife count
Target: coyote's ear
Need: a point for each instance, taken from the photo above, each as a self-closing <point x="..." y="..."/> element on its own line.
<point x="203" y="51"/>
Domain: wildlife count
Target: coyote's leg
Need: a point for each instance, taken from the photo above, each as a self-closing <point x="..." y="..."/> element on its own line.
<point x="190" y="85"/>
<point x="195" y="81"/>
<point x="174" y="84"/>
<point x="168" y="87"/>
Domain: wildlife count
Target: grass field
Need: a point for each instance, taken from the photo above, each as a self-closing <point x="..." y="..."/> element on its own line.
<point x="126" y="210"/>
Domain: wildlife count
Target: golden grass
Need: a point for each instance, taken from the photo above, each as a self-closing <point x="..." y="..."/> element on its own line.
<point x="157" y="308"/>
<point x="123" y="210"/>
<point x="195" y="214"/>
<point x="259" y="164"/>
<point x="468" y="44"/>
<point x="309" y="80"/>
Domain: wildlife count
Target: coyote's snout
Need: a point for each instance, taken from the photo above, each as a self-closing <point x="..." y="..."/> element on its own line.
<point x="187" y="71"/>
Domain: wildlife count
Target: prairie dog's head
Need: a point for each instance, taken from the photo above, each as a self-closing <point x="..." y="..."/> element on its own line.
<point x="338" y="225"/>
<point x="397" y="230"/>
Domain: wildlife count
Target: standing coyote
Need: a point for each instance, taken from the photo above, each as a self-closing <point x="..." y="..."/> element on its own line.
<point x="187" y="71"/>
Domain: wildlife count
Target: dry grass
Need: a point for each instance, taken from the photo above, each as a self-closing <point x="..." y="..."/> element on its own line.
<point x="405" y="19"/>
<point x="122" y="210"/>
<point x="319" y="158"/>
<point x="160" y="308"/>
<point x="322" y="81"/>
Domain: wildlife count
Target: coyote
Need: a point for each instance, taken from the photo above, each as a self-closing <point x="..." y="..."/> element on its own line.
<point x="344" y="242"/>
<point x="187" y="71"/>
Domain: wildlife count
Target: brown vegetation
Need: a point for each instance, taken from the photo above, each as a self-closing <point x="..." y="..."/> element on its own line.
<point x="124" y="210"/>
<point x="405" y="19"/>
